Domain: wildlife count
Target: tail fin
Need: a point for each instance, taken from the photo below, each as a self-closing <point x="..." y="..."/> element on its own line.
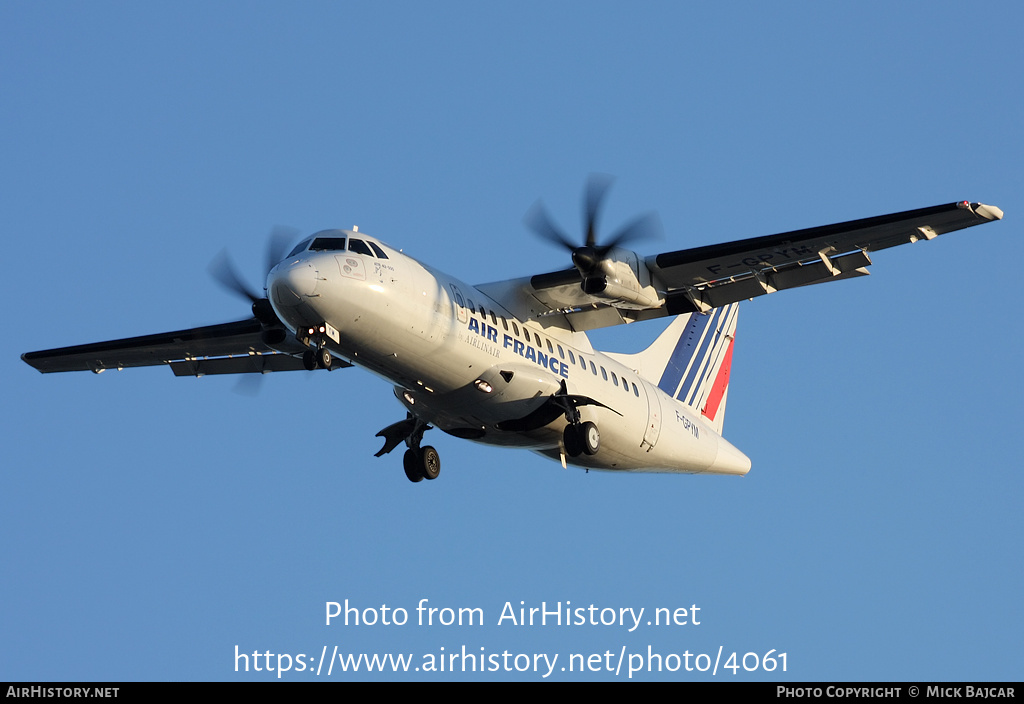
<point x="692" y="359"/>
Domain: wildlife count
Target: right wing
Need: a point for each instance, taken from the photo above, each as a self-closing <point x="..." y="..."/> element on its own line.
<point x="228" y="348"/>
<point x="700" y="279"/>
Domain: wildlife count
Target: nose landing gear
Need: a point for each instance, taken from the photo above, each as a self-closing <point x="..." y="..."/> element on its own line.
<point x="318" y="359"/>
<point x="321" y="357"/>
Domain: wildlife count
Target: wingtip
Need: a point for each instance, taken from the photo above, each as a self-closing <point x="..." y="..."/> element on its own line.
<point x="989" y="212"/>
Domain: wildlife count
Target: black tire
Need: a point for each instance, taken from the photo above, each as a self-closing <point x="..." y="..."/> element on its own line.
<point x="590" y="438"/>
<point x="430" y="462"/>
<point x="325" y="359"/>
<point x="572" y="441"/>
<point x="309" y="360"/>
<point x="411" y="463"/>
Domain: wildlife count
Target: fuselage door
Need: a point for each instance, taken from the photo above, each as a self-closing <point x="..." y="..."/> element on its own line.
<point x="653" y="429"/>
<point x="460" y="304"/>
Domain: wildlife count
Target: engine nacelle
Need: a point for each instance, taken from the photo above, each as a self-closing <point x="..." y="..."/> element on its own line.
<point x="615" y="281"/>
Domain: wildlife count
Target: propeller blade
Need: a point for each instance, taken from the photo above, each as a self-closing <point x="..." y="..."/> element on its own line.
<point x="593" y="196"/>
<point x="588" y="256"/>
<point x="538" y="220"/>
<point x="249" y="385"/>
<point x="223" y="270"/>
<point x="644" y="227"/>
<point x="278" y="242"/>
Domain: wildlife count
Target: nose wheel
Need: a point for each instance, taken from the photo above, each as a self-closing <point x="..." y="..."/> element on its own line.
<point x="321" y="358"/>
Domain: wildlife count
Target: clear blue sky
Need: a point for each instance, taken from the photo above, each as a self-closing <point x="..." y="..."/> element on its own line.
<point x="152" y="524"/>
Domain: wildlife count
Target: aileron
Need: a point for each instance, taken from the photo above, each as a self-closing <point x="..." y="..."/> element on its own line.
<point x="699" y="265"/>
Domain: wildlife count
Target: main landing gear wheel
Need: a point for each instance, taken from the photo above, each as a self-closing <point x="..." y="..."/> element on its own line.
<point x="423" y="463"/>
<point x="411" y="462"/>
<point x="581" y="438"/>
<point x="572" y="441"/>
<point x="591" y="437"/>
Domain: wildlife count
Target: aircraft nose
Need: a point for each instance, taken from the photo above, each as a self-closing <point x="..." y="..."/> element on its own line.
<point x="290" y="284"/>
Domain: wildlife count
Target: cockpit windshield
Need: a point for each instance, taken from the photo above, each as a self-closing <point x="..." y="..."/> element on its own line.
<point x="321" y="244"/>
<point x="333" y="241"/>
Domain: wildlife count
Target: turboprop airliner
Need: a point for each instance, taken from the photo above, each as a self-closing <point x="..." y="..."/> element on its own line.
<point x="509" y="363"/>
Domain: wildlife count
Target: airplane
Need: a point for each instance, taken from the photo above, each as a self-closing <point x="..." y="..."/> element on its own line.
<point x="509" y="363"/>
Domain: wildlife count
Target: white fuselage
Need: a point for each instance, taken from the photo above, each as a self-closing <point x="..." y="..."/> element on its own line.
<point x="462" y="363"/>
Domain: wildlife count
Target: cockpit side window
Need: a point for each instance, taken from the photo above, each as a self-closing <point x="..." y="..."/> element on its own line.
<point x="321" y="244"/>
<point x="359" y="247"/>
<point x="300" y="247"/>
<point x="377" y="250"/>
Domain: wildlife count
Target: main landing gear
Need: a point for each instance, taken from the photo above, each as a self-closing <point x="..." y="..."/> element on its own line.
<point x="419" y="462"/>
<point x="581" y="438"/>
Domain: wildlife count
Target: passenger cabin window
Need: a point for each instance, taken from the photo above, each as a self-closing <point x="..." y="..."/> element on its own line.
<point x="377" y="250"/>
<point x="471" y="308"/>
<point x="330" y="244"/>
<point x="359" y="247"/>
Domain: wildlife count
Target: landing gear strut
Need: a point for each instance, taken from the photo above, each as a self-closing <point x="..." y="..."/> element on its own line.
<point x="580" y="436"/>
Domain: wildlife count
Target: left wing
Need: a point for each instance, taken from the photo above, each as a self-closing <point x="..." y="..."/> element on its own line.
<point x="703" y="278"/>
<point x="228" y="348"/>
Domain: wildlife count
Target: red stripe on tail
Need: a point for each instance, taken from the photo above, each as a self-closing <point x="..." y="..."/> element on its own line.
<point x="721" y="384"/>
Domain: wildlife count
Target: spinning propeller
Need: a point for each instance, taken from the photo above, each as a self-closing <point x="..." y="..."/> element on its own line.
<point x="588" y="257"/>
<point x="223" y="270"/>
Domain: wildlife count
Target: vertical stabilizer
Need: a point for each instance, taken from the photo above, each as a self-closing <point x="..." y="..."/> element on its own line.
<point x="692" y="359"/>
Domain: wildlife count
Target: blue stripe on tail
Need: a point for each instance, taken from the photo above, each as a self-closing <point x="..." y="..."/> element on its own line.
<point x="683" y="352"/>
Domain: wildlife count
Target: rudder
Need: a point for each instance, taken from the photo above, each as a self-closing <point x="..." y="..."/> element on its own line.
<point x="691" y="361"/>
